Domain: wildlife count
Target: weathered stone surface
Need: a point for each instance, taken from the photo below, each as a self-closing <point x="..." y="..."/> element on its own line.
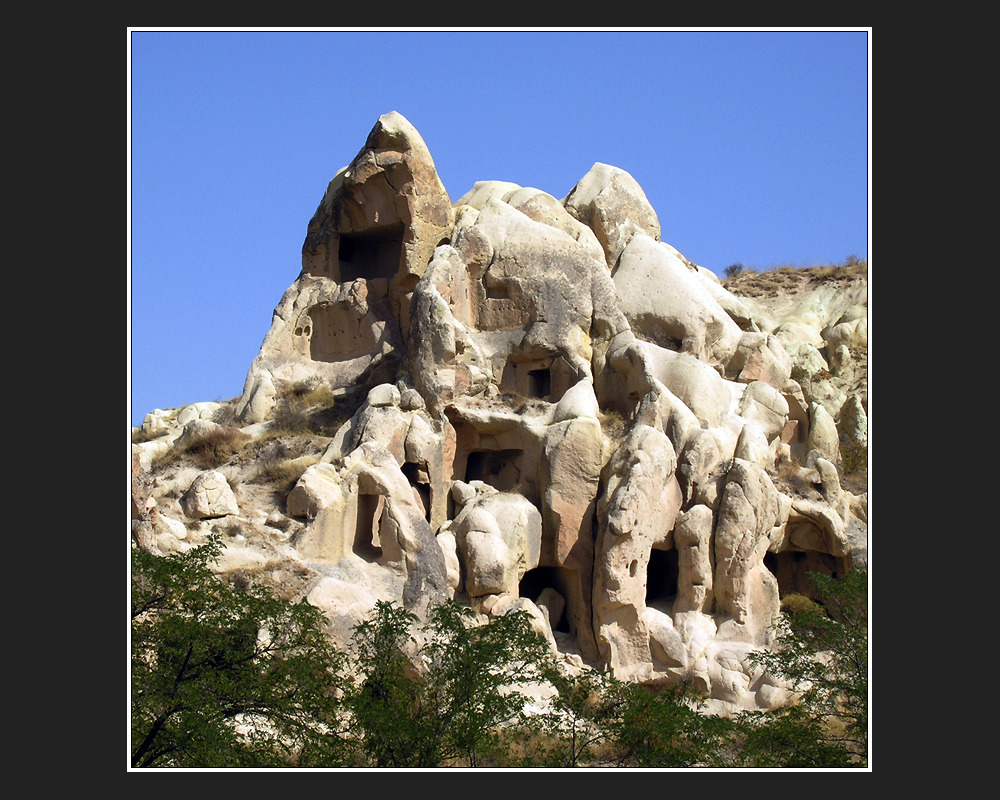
<point x="541" y="406"/>
<point x="745" y="591"/>
<point x="637" y="513"/>
<point x="499" y="538"/>
<point x="610" y="202"/>
<point x="668" y="304"/>
<point x="823" y="434"/>
<point x="210" y="495"/>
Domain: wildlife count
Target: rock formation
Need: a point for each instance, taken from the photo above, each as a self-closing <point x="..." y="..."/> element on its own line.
<point x="547" y="408"/>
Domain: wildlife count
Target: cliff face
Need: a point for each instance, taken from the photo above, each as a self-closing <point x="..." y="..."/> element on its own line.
<point x="525" y="402"/>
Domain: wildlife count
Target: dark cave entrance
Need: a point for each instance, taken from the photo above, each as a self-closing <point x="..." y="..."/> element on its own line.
<point x="497" y="468"/>
<point x="375" y="253"/>
<point x="540" y="384"/>
<point x="417" y="475"/>
<point x="661" y="579"/>
<point x="367" y="543"/>
<point x="791" y="568"/>
<point x="536" y="581"/>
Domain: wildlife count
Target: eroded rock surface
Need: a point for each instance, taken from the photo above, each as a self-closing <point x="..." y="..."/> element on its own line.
<point x="547" y="408"/>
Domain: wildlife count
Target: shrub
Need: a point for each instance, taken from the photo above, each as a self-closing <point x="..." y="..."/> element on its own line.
<point x="218" y="447"/>
<point x="224" y="674"/>
<point x="299" y="411"/>
<point x="797" y="603"/>
<point x="454" y="706"/>
<point x="822" y="651"/>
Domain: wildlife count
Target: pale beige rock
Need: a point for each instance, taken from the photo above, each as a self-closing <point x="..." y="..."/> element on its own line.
<point x="482" y="191"/>
<point x="206" y="411"/>
<point x="744" y="589"/>
<point x="764" y="405"/>
<point x="666" y="646"/>
<point x="578" y="401"/>
<point x="537" y="205"/>
<point x="364" y="517"/>
<point x="709" y="396"/>
<point x="158" y="422"/>
<point x="453" y="565"/>
<point x="210" y="495"/>
<point x="573" y="454"/>
<point x="499" y="538"/>
<point x="693" y="540"/>
<point x="816" y="527"/>
<point x="385" y="394"/>
<point x="340" y="334"/>
<point x="637" y="513"/>
<point x="612" y="204"/>
<point x="830" y="480"/>
<point x="201" y="431"/>
<point x="823" y="434"/>
<point x="668" y="304"/>
<point x="853" y="422"/>
<point x="347" y="316"/>
<point x="705" y="460"/>
<point x="753" y="446"/>
<point x="543" y="207"/>
<point x="760" y="357"/>
<point x="730" y="303"/>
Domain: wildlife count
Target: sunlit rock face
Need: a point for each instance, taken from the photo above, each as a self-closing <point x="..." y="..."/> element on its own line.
<point x="555" y="411"/>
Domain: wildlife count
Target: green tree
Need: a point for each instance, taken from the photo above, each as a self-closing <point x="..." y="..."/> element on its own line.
<point x="450" y="707"/>
<point x="388" y="718"/>
<point x="667" y="727"/>
<point x="598" y="720"/>
<point x="225" y="676"/>
<point x="822" y="650"/>
<point x="578" y="723"/>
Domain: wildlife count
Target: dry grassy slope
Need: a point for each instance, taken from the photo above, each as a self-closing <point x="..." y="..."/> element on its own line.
<point x="791" y="281"/>
<point x="814" y="297"/>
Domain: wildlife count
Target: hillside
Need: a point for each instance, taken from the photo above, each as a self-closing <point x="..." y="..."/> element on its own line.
<point x="522" y="402"/>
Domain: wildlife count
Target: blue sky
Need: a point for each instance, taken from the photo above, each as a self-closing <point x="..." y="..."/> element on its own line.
<point x="753" y="147"/>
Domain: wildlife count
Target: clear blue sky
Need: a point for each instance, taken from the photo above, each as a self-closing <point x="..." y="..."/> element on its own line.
<point x="752" y="147"/>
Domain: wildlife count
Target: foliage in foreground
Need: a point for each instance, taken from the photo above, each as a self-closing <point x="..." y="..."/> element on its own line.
<point x="454" y="708"/>
<point x="821" y="650"/>
<point x="232" y="677"/>
<point x="599" y="721"/>
<point x="224" y="676"/>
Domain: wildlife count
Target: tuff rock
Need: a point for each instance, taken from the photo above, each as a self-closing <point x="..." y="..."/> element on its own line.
<point x="524" y="402"/>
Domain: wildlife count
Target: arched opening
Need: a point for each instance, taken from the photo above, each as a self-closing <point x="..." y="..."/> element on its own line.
<point x="497" y="468"/>
<point x="367" y="543"/>
<point x="375" y="253"/>
<point x="661" y="579"/>
<point x="791" y="568"/>
<point x="540" y="384"/>
<point x="419" y="479"/>
<point x="535" y="582"/>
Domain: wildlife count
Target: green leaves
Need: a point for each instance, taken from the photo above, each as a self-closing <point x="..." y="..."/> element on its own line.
<point x="387" y="704"/>
<point x="822" y="651"/>
<point x="228" y="677"/>
<point x="452" y="707"/>
<point x="666" y="729"/>
<point x="223" y="677"/>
